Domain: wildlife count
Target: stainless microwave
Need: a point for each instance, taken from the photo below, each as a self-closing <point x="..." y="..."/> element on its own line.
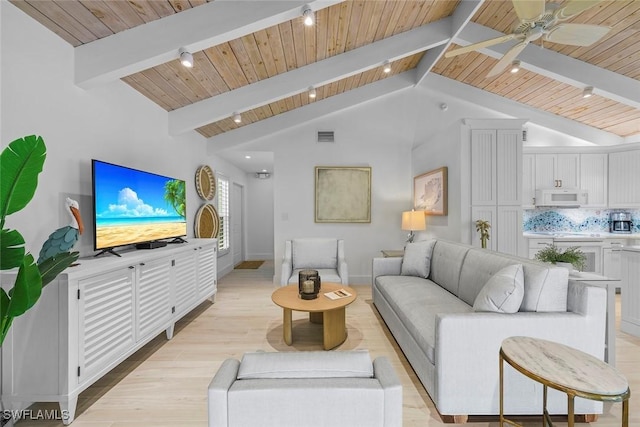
<point x="561" y="197"/>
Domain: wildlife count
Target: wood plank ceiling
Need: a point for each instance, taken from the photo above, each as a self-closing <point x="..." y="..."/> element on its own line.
<point x="342" y="28"/>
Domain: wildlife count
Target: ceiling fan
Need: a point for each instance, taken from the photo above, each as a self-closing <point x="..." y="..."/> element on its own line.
<point x="538" y="20"/>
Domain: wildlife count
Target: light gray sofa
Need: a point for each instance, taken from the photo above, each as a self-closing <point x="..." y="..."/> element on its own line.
<point x="454" y="349"/>
<point x="311" y="388"/>
<point x="324" y="254"/>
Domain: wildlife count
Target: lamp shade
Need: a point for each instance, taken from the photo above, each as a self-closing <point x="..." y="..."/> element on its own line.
<point x="413" y="221"/>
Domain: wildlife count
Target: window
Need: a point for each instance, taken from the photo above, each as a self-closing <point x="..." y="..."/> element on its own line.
<point x="223" y="213"/>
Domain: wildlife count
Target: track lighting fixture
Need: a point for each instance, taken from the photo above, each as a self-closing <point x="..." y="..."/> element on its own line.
<point x="237" y="118"/>
<point x="186" y="58"/>
<point x="309" y="16"/>
<point x="587" y="92"/>
<point x="312" y="92"/>
<point x="386" y="67"/>
<point x="515" y="66"/>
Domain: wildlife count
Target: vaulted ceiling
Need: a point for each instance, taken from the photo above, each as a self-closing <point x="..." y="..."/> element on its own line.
<point x="257" y="57"/>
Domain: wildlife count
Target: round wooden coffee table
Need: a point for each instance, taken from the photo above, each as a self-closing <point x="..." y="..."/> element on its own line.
<point x="330" y="313"/>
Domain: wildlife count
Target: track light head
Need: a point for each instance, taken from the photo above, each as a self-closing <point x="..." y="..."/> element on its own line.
<point x="186" y="58"/>
<point x="308" y="15"/>
<point x="386" y="66"/>
<point x="587" y="92"/>
<point x="312" y="92"/>
<point x="237" y="118"/>
<point x="515" y="66"/>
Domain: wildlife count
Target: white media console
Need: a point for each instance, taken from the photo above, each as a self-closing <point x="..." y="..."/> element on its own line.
<point x="98" y="313"/>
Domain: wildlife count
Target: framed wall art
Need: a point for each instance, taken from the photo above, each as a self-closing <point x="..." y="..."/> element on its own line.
<point x="430" y="192"/>
<point x="343" y="194"/>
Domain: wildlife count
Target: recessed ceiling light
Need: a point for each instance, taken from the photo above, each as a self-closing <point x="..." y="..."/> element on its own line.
<point x="186" y="58"/>
<point x="237" y="118"/>
<point x="312" y="92"/>
<point x="587" y="92"/>
<point x="386" y="66"/>
<point x="309" y="16"/>
<point x="515" y="66"/>
<point x="264" y="170"/>
<point x="247" y="157"/>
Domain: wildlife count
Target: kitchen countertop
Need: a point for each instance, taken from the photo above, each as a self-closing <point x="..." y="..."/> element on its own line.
<point x="584" y="236"/>
<point x="631" y="248"/>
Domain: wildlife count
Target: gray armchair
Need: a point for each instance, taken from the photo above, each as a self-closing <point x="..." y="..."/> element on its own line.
<point x="323" y="254"/>
<point x="308" y="388"/>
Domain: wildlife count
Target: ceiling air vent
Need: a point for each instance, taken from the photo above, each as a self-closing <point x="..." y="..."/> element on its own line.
<point x="326" y="136"/>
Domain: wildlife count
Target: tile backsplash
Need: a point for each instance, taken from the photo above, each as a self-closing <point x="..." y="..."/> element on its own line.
<point x="574" y="220"/>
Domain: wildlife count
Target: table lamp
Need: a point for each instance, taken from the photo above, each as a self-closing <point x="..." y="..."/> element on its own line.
<point x="413" y="221"/>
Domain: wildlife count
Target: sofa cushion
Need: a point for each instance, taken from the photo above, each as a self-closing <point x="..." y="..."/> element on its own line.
<point x="446" y="263"/>
<point x="314" y="253"/>
<point x="503" y="292"/>
<point x="307" y="364"/>
<point x="416" y="260"/>
<point x="416" y="302"/>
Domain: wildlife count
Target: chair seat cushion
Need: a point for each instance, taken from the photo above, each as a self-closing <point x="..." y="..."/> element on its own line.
<point x="326" y="275"/>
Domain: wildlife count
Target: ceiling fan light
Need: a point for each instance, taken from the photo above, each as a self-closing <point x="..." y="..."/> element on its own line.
<point x="186" y="58"/>
<point x="386" y="66"/>
<point x="309" y="16"/>
<point x="515" y="66"/>
<point x="237" y="118"/>
<point x="587" y="92"/>
<point x="312" y="92"/>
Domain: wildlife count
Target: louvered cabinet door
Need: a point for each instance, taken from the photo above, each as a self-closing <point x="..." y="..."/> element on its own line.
<point x="106" y="319"/>
<point x="185" y="276"/>
<point x="153" y="297"/>
<point x="207" y="270"/>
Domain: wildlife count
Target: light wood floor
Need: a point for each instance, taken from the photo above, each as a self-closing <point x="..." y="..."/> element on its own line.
<point x="164" y="384"/>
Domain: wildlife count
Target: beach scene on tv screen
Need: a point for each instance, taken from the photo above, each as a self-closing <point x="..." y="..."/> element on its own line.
<point x="133" y="206"/>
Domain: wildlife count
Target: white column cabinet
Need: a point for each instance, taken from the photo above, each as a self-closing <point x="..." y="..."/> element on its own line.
<point x="630" y="291"/>
<point x="528" y="180"/>
<point x="95" y="315"/>
<point x="496" y="187"/>
<point x="624" y="185"/>
<point x="593" y="178"/>
<point x="557" y="171"/>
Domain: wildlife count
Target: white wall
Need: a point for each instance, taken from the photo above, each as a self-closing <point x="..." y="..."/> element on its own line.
<point x="114" y="123"/>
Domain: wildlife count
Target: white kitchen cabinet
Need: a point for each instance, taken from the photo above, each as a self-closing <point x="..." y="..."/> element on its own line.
<point x="593" y="178"/>
<point x="535" y="245"/>
<point x="496" y="187"/>
<point x="95" y="315"/>
<point x="624" y="182"/>
<point x="557" y="171"/>
<point x="528" y="181"/>
<point x="630" y="291"/>
<point x="612" y="258"/>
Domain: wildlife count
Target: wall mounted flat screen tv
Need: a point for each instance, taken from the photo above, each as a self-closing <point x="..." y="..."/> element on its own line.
<point x="131" y="206"/>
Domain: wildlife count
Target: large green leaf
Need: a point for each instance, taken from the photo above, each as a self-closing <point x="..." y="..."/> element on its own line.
<point x="22" y="161"/>
<point x="4" y="303"/>
<point x="26" y="289"/>
<point x="12" y="249"/>
<point x="51" y="267"/>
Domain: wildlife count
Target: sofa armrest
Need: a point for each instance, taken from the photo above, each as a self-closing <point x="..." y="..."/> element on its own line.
<point x="392" y="387"/>
<point x="457" y="368"/>
<point x="218" y="392"/>
<point x="390" y="266"/>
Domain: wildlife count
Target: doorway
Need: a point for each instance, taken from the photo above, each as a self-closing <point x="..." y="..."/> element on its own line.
<point x="237" y="223"/>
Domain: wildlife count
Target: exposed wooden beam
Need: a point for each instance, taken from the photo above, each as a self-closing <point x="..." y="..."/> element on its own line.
<point x="509" y="108"/>
<point x="461" y="16"/>
<point x="559" y="67"/>
<point x="317" y="74"/>
<point x="196" y="29"/>
<point x="303" y="115"/>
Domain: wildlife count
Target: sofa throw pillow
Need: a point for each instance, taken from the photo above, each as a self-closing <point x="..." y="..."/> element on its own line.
<point x="503" y="292"/>
<point x="417" y="258"/>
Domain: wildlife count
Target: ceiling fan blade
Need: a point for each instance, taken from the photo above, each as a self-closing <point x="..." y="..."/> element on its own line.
<point x="529" y="10"/>
<point x="480" y="45"/>
<point x="576" y="34"/>
<point x="507" y="59"/>
<point x="574" y="7"/>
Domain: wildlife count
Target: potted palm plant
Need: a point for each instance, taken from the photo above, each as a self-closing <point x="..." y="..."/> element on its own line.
<point x="571" y="257"/>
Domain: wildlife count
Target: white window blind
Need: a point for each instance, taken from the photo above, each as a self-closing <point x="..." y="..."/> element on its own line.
<point x="223" y="213"/>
